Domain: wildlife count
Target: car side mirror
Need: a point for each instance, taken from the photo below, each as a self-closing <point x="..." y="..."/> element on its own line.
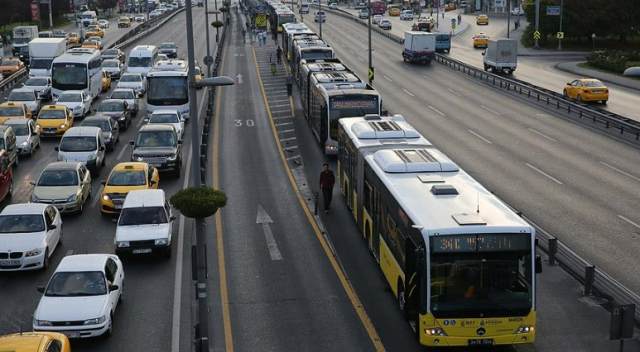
<point x="113" y="288"/>
<point x="115" y="221"/>
<point x="483" y="53"/>
<point x="57" y="149"/>
<point x="33" y="183"/>
<point x="132" y="142"/>
<point x="172" y="218"/>
<point x="52" y="227"/>
<point x="179" y="141"/>
<point x="145" y="120"/>
<point x="101" y="148"/>
<point x="182" y="119"/>
<point x="23" y="84"/>
<point x="6" y="98"/>
<point x="569" y="83"/>
<point x="41" y="289"/>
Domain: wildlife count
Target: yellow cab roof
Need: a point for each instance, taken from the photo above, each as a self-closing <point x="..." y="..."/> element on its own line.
<point x="25" y="342"/>
<point x="130" y="166"/>
<point x="54" y="107"/>
<point x="11" y="104"/>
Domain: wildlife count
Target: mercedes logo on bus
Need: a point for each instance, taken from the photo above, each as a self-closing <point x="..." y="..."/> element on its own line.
<point x="481" y="331"/>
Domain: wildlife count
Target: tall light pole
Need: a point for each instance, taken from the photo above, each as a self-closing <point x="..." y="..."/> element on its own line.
<point x="215" y="6"/>
<point x="369" y="9"/>
<point x="207" y="60"/>
<point x="535" y="45"/>
<point x="508" y="17"/>
<point x="50" y="14"/>
<point x="561" y="11"/>
<point x="320" y="16"/>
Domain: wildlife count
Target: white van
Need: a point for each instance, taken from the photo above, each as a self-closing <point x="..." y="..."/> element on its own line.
<point x="304" y="8"/>
<point x="142" y="59"/>
<point x="89" y="17"/>
<point x="145" y="224"/>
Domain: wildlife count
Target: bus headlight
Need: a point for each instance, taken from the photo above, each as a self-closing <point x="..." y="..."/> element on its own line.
<point x="434" y="332"/>
<point x="526" y="329"/>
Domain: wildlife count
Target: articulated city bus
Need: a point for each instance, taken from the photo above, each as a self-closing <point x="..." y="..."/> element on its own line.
<point x="308" y="49"/>
<point x="459" y="261"/>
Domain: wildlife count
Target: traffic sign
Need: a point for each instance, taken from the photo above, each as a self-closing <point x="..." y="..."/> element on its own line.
<point x="536" y="35"/>
<point x="453" y="20"/>
<point x="560" y="35"/>
<point x="371" y="73"/>
<point x="208" y="60"/>
<point x="453" y="25"/>
<point x="553" y="10"/>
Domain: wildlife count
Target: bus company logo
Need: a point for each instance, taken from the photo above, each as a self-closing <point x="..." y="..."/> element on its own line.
<point x="493" y="322"/>
<point x="453" y="322"/>
<point x="516" y="320"/>
<point x="446" y="322"/>
<point x="481" y="331"/>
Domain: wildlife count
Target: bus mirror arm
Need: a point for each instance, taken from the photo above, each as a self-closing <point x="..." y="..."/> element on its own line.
<point x="538" y="264"/>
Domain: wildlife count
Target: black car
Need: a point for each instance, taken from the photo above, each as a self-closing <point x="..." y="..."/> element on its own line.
<point x="169" y="49"/>
<point x="116" y="54"/>
<point x="24" y="55"/>
<point x="108" y="126"/>
<point x="117" y="109"/>
<point x="158" y="145"/>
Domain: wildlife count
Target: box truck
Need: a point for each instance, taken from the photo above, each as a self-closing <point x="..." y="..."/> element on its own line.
<point x="22" y="35"/>
<point x="501" y="55"/>
<point x="42" y="51"/>
<point x="419" y="47"/>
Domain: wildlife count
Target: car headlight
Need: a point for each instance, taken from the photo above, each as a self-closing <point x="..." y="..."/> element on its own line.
<point x="161" y="241"/>
<point x="172" y="157"/>
<point x="64" y="125"/>
<point x="33" y="253"/>
<point x="24" y="144"/>
<point x="139" y="158"/>
<point x="75" y="108"/>
<point x="122" y="244"/>
<point x="91" y="157"/>
<point x="61" y="157"/>
<point x="122" y="118"/>
<point x="526" y="329"/>
<point x="37" y="322"/>
<point x="106" y="198"/>
<point x="95" y="321"/>
<point x="34" y="199"/>
<point x="72" y="198"/>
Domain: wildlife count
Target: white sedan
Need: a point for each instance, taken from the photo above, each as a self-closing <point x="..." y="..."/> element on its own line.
<point x="168" y="117"/>
<point x="81" y="298"/>
<point x="29" y="233"/>
<point x="76" y="100"/>
<point x="104" y="23"/>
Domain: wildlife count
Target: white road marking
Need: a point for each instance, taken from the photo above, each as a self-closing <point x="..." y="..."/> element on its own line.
<point x="351" y="51"/>
<point x="283" y="124"/>
<point x="544" y="173"/>
<point x="344" y="46"/>
<point x="629" y="221"/>
<point x="479" y="136"/>
<point x="361" y="59"/>
<point x="436" y="110"/>
<point x="453" y="91"/>
<point x="408" y="68"/>
<point x="124" y="148"/>
<point x="542" y="135"/>
<point x="286" y="131"/>
<point x="406" y="91"/>
<point x="493" y="111"/>
<point x="387" y="78"/>
<point x="620" y="171"/>
<point x="264" y="219"/>
<point x="427" y="77"/>
<point x="96" y="197"/>
<point x="287" y="139"/>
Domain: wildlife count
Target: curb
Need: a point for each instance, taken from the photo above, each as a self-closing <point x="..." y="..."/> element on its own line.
<point x="559" y="67"/>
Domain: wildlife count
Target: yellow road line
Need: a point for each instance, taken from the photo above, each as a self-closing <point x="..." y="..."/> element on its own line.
<point x="353" y="297"/>
<point x="222" y="269"/>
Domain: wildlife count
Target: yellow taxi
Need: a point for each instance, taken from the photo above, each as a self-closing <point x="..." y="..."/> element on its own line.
<point x="126" y="177"/>
<point x="35" y="342"/>
<point x="480" y="40"/>
<point x="91" y="44"/>
<point x="199" y="76"/>
<point x="10" y="66"/>
<point x="74" y="38"/>
<point x="124" y="22"/>
<point x="106" y="81"/>
<point x="94" y="30"/>
<point x="482" y="19"/>
<point x="54" y="120"/>
<point x="450" y="6"/>
<point x="12" y="110"/>
<point x="394" y="11"/>
<point x="586" y="89"/>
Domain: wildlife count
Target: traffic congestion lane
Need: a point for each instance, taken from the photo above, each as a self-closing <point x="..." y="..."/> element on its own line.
<point x="510" y="146"/>
<point x="538" y="70"/>
<point x="147" y="295"/>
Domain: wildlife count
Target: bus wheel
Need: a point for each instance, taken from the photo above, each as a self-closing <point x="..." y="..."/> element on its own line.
<point x="401" y="296"/>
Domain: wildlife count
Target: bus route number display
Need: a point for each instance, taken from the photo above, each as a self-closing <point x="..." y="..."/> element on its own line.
<point x="481" y="243"/>
<point x="353" y="104"/>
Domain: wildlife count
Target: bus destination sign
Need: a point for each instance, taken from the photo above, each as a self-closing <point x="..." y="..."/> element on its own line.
<point x="353" y="104"/>
<point x="480" y="243"/>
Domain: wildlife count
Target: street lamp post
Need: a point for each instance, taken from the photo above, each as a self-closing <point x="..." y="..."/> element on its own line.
<point x="560" y="39"/>
<point x="207" y="61"/>
<point x="537" y="25"/>
<point x="370" y="53"/>
<point x="320" y="16"/>
<point x="198" y="178"/>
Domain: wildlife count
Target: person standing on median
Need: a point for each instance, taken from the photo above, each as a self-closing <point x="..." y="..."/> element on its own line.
<point x="279" y="55"/>
<point x="289" y="80"/>
<point x="327" y="181"/>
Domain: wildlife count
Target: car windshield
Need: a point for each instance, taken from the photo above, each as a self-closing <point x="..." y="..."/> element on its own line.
<point x="110" y="106"/>
<point x="6" y="111"/>
<point x="58" y="178"/>
<point x="82" y="283"/>
<point x="156" y="139"/>
<point x="36" y="82"/>
<point x="594" y="84"/>
<point x="20" y="130"/>
<point x="122" y="94"/>
<point x="51" y="114"/>
<point x="21" y="223"/>
<point x="22" y="96"/>
<point x="103" y="124"/>
<point x="130" y="78"/>
<point x="140" y="62"/>
<point x="142" y="216"/>
<point x="127" y="178"/>
<point x="110" y="52"/>
<point x="69" y="98"/>
<point x="164" y="118"/>
<point x="10" y="63"/>
<point x="111" y="63"/>
<point x="78" y="144"/>
<point x="167" y="46"/>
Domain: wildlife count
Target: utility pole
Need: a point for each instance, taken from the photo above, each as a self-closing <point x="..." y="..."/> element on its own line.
<point x="369" y="9"/>
<point x="215" y="6"/>
<point x="508" y="17"/>
<point x="207" y="61"/>
<point x="561" y="13"/>
<point x="50" y="14"/>
<point x="320" y="16"/>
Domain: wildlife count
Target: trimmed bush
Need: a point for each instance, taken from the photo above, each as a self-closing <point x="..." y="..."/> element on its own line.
<point x="217" y="24"/>
<point x="198" y="202"/>
<point x="613" y="60"/>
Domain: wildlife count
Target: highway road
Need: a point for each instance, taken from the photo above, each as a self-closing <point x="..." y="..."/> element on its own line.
<point x="575" y="182"/>
<point x="538" y="70"/>
<point x="144" y="321"/>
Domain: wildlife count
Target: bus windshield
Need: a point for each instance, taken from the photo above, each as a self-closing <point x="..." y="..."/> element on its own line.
<point x="69" y="76"/>
<point x="350" y="106"/>
<point x="320" y="53"/>
<point x="481" y="284"/>
<point x="167" y="91"/>
<point x="140" y="62"/>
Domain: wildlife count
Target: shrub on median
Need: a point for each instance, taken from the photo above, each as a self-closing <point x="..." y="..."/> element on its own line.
<point x="613" y="60"/>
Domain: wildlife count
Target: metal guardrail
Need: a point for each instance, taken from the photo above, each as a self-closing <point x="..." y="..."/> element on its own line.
<point x="597" y="283"/>
<point x="10" y="81"/>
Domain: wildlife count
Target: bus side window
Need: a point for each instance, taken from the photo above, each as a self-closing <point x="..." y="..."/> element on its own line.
<point x="367" y="197"/>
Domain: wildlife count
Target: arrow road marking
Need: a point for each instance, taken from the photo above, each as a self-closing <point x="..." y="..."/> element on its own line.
<point x="264" y="219"/>
<point x="239" y="76"/>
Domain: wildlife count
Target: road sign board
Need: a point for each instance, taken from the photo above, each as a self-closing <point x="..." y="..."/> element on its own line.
<point x="453" y="20"/>
<point x="560" y="35"/>
<point x="208" y="60"/>
<point x="453" y="25"/>
<point x="371" y="73"/>
<point x="536" y="35"/>
<point x="553" y="10"/>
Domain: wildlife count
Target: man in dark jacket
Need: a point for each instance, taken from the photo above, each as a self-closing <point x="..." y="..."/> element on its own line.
<point x="327" y="181"/>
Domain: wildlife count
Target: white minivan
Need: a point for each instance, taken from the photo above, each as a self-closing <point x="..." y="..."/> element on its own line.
<point x="142" y="58"/>
<point x="89" y="17"/>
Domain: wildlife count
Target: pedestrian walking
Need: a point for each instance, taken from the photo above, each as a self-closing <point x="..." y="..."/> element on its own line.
<point x="432" y="12"/>
<point x="289" y="80"/>
<point x="4" y="40"/>
<point x="279" y="55"/>
<point x="459" y="19"/>
<point x="244" y="35"/>
<point x="327" y="181"/>
<point x="259" y="35"/>
<point x="442" y="14"/>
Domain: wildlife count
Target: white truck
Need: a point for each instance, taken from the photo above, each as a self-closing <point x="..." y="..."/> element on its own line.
<point x="42" y="51"/>
<point x="501" y="55"/>
<point x="419" y="47"/>
<point x="22" y="35"/>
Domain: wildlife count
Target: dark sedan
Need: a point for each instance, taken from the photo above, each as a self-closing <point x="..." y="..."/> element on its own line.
<point x="117" y="109"/>
<point x="116" y="54"/>
<point x="169" y="49"/>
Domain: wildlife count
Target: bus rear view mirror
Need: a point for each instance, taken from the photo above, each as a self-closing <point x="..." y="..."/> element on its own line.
<point x="538" y="264"/>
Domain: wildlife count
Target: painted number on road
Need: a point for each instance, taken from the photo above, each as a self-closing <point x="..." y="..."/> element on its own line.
<point x="248" y="123"/>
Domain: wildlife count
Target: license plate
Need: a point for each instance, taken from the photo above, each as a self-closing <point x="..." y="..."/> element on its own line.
<point x="72" y="335"/>
<point x="481" y="342"/>
<point x="50" y="132"/>
<point x="156" y="165"/>
<point x="597" y="91"/>
<point x="140" y="251"/>
<point x="9" y="262"/>
<point x="117" y="206"/>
